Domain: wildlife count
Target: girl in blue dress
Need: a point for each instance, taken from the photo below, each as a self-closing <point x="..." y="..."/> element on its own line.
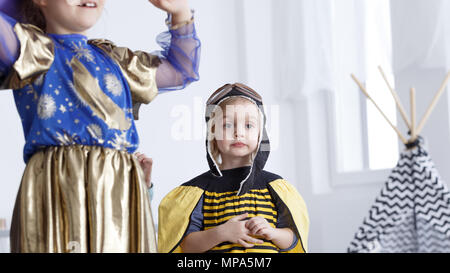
<point x="82" y="189"/>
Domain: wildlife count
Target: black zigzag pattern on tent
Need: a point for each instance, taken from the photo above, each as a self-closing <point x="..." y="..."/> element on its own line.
<point x="412" y="212"/>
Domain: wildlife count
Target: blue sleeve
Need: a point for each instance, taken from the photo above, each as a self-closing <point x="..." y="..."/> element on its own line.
<point x="196" y="221"/>
<point x="9" y="45"/>
<point x="180" y="58"/>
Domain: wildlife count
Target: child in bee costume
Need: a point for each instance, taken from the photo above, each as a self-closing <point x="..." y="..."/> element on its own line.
<point x="236" y="206"/>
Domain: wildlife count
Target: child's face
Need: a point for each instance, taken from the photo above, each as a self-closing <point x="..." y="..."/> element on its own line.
<point x="70" y="16"/>
<point x="237" y="133"/>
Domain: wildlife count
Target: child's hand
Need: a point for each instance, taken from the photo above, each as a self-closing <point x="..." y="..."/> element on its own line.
<point x="146" y="164"/>
<point x="258" y="226"/>
<point x="178" y="8"/>
<point x="234" y="231"/>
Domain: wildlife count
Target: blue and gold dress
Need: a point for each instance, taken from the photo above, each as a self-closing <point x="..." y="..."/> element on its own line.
<point x="82" y="189"/>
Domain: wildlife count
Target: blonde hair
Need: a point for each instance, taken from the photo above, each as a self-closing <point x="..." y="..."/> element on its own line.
<point x="214" y="149"/>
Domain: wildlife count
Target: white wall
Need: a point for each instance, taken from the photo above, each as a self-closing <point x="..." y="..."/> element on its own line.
<point x="421" y="53"/>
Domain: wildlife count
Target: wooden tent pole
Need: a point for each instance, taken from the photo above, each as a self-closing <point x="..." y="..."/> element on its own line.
<point x="402" y="138"/>
<point x="432" y="105"/>
<point x="396" y="98"/>
<point x="413" y="114"/>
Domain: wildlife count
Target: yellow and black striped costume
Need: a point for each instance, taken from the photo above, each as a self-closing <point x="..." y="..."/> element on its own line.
<point x="218" y="208"/>
<point x="220" y="195"/>
<point x="269" y="196"/>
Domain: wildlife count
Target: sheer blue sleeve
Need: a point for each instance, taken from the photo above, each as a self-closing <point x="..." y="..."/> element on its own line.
<point x="180" y="58"/>
<point x="9" y="45"/>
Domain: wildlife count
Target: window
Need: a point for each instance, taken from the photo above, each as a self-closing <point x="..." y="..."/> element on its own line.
<point x="365" y="145"/>
<point x="382" y="140"/>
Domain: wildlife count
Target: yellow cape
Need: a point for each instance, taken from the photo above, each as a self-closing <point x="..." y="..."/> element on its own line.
<point x="176" y="208"/>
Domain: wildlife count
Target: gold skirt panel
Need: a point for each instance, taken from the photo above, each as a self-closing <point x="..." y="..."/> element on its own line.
<point x="84" y="199"/>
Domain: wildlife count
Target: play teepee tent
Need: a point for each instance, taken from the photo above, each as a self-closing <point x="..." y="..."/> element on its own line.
<point x="412" y="212"/>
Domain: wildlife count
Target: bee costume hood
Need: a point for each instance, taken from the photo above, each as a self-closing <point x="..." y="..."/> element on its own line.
<point x="221" y="190"/>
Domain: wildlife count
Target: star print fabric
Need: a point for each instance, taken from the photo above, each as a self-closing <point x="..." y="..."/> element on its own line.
<point x="83" y="98"/>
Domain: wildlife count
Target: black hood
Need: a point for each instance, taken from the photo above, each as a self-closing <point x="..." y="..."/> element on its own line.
<point x="263" y="149"/>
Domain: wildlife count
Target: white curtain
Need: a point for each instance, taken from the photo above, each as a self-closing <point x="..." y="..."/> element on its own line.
<point x="303" y="46"/>
<point x="317" y="35"/>
<point x="322" y="42"/>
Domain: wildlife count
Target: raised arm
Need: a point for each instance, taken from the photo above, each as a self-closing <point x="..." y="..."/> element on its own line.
<point x="9" y="45"/>
<point x="181" y="47"/>
<point x="180" y="58"/>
